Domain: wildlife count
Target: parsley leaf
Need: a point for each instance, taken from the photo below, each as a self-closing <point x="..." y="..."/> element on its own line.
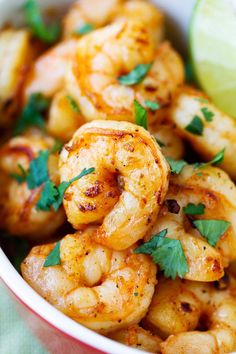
<point x="212" y="230"/>
<point x="73" y="104"/>
<point x="47" y="33"/>
<point x="32" y="114"/>
<point x="84" y="29"/>
<point x="195" y="126"/>
<point x="152" y="105"/>
<point x="38" y="170"/>
<point x="166" y="252"/>
<point x="140" y="115"/>
<point x="135" y="76"/>
<point x="217" y="159"/>
<point x="54" y="257"/>
<point x="20" y="178"/>
<point x="176" y="166"/>
<point x="208" y="115"/>
<point x="193" y="209"/>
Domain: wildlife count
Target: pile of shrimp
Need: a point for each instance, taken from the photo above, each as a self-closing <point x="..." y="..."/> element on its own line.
<point x="131" y="190"/>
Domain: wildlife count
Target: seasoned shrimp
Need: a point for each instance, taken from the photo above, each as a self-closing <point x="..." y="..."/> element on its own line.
<point x="139" y="338"/>
<point x="18" y="214"/>
<point x="105" y="55"/>
<point x="125" y="192"/>
<point x="48" y="71"/>
<point x="218" y="133"/>
<point x="179" y="307"/>
<point x="212" y="187"/>
<point x="102" y="289"/>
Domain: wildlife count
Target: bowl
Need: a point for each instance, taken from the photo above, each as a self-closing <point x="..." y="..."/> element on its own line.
<point x="59" y="333"/>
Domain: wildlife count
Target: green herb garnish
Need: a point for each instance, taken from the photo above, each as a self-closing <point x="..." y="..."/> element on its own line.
<point x="212" y="230"/>
<point x="140" y="115"/>
<point x="84" y="29"/>
<point x="195" y="126"/>
<point x="176" y="166"/>
<point x="73" y="104"/>
<point x="166" y="252"/>
<point x="20" y="177"/>
<point x="160" y="143"/>
<point x="152" y="105"/>
<point x="193" y="209"/>
<point x="38" y="170"/>
<point x="46" y="33"/>
<point x="135" y="76"/>
<point x="57" y="146"/>
<point x="54" y="257"/>
<point x="208" y="115"/>
<point x="217" y="159"/>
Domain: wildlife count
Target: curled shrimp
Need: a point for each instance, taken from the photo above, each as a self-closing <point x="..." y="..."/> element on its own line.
<point x="102" y="289"/>
<point x="19" y="215"/>
<point x="212" y="187"/>
<point x="106" y="54"/>
<point x="137" y="337"/>
<point x="219" y="132"/>
<point x="125" y="192"/>
<point x="179" y="307"/>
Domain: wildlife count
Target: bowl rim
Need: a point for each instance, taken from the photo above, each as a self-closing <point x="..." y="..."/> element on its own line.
<point x="36" y="304"/>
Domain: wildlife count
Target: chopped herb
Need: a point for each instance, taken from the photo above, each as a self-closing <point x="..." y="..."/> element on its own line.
<point x="57" y="146"/>
<point x="73" y="104"/>
<point x="20" y="178"/>
<point x="54" y="257"/>
<point x="135" y="294"/>
<point x="32" y="114"/>
<point x="135" y="76"/>
<point x="202" y="100"/>
<point x="189" y="73"/>
<point x="208" y="115"/>
<point x="212" y="230"/>
<point x="217" y="159"/>
<point x="195" y="126"/>
<point x="176" y="166"/>
<point x="166" y="252"/>
<point x="38" y="170"/>
<point x="152" y="105"/>
<point x="140" y="114"/>
<point x="193" y="209"/>
<point x="160" y="143"/>
<point x="46" y="33"/>
<point x="84" y="29"/>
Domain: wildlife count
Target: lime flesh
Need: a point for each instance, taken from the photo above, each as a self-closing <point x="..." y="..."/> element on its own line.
<point x="213" y="51"/>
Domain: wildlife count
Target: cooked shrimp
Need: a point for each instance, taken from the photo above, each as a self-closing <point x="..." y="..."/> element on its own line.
<point x="63" y="118"/>
<point x="104" y="290"/>
<point x="48" y="71"/>
<point x="217" y="134"/>
<point x="125" y="192"/>
<point x="18" y="214"/>
<point x="217" y="192"/>
<point x="105" y="55"/>
<point x="178" y="307"/>
<point x="137" y="337"/>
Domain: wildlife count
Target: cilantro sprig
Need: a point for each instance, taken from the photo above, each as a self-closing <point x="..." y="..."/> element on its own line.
<point x="46" y="33"/>
<point x="207" y="114"/>
<point x="195" y="126"/>
<point x="73" y="104"/>
<point x="54" y="257"/>
<point x="21" y="176"/>
<point x="176" y="166"/>
<point x="216" y="160"/>
<point x="154" y="106"/>
<point x="140" y="115"/>
<point x="38" y="170"/>
<point x="136" y="76"/>
<point x="212" y="230"/>
<point x="193" y="209"/>
<point x="166" y="252"/>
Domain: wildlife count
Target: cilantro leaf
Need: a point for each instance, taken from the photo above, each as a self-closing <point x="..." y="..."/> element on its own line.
<point x="57" y="146"/>
<point x="32" y="114"/>
<point x="217" y="159"/>
<point x="140" y="115"/>
<point x="47" y="33"/>
<point x="73" y="104"/>
<point x="193" y="209"/>
<point x="20" y="178"/>
<point x="166" y="252"/>
<point x="212" y="230"/>
<point x="135" y="76"/>
<point x="38" y="170"/>
<point x="195" y="126"/>
<point x="152" y="105"/>
<point x="208" y="115"/>
<point x="176" y="166"/>
<point x="54" y="257"/>
<point x="84" y="29"/>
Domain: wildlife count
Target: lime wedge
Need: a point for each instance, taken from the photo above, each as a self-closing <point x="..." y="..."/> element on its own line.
<point x="213" y="50"/>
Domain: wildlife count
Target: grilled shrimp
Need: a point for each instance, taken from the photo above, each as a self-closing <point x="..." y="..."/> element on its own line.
<point x="128" y="186"/>
<point x="179" y="307"/>
<point x="48" y="71"/>
<point x="212" y="187"/>
<point x="218" y="133"/>
<point x="102" y="289"/>
<point x="139" y="338"/>
<point x="106" y="54"/>
<point x="18" y="214"/>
